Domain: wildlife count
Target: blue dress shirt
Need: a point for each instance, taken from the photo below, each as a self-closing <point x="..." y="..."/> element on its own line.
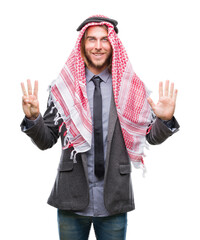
<point x="96" y="206"/>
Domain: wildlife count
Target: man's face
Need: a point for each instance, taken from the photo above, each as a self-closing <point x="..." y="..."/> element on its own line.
<point x="97" y="49"/>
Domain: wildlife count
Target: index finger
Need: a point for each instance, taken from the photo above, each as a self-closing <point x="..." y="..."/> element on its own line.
<point x="35" y="92"/>
<point x="23" y="89"/>
<point x="160" y="89"/>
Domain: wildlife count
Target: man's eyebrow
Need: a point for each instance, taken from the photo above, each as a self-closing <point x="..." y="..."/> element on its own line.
<point x="95" y="37"/>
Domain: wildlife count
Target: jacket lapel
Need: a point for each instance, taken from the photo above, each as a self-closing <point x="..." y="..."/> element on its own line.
<point x="112" y="119"/>
<point x="111" y="128"/>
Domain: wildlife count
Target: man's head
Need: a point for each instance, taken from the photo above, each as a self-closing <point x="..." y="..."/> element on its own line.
<point x="96" y="49"/>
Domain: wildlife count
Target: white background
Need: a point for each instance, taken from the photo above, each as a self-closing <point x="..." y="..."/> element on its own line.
<point x="162" y="41"/>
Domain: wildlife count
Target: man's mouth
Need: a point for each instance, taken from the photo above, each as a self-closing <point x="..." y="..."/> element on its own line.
<point x="98" y="54"/>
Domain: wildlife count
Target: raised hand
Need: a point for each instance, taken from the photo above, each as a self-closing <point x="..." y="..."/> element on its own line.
<point x="30" y="102"/>
<point x="165" y="107"/>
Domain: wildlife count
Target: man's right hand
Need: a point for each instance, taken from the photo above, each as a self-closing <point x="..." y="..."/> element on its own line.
<point x="30" y="103"/>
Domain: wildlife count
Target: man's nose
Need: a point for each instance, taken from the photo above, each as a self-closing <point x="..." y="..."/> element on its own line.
<point x="98" y="44"/>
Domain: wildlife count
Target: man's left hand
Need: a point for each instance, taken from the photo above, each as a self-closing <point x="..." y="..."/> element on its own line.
<point x="165" y="107"/>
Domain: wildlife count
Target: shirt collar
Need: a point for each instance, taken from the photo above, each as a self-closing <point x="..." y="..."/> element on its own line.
<point x="104" y="75"/>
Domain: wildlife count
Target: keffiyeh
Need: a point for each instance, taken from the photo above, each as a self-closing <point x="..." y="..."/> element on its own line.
<point x="69" y="95"/>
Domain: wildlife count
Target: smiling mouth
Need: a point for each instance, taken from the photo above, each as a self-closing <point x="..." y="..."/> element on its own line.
<point x="98" y="54"/>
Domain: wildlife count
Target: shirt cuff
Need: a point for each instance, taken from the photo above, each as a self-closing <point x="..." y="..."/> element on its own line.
<point x="170" y="124"/>
<point x="30" y="123"/>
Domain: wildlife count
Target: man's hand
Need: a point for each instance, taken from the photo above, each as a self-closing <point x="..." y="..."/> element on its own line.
<point x="165" y="107"/>
<point x="30" y="102"/>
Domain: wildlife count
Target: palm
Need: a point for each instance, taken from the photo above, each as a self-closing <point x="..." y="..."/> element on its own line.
<point x="165" y="107"/>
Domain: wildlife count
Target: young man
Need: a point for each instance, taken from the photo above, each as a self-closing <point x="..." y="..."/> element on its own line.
<point x="101" y="111"/>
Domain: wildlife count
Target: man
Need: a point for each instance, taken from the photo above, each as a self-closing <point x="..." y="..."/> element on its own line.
<point x="101" y="111"/>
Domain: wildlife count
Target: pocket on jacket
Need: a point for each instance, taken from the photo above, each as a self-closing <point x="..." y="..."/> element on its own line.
<point x="125" y="169"/>
<point x="66" y="166"/>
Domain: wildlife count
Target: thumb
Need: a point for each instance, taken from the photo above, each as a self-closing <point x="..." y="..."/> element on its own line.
<point x="151" y="103"/>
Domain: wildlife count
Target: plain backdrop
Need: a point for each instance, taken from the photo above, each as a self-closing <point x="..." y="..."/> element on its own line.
<point x="162" y="41"/>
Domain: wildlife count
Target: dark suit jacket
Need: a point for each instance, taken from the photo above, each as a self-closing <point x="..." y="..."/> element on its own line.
<point x="70" y="191"/>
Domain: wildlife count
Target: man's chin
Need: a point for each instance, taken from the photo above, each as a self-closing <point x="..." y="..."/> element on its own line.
<point x="98" y="65"/>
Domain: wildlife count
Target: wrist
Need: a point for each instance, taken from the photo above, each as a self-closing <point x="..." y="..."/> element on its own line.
<point x="166" y="119"/>
<point x="33" y="117"/>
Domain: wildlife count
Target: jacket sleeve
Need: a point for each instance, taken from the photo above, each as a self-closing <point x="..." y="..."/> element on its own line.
<point x="45" y="131"/>
<point x="159" y="131"/>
